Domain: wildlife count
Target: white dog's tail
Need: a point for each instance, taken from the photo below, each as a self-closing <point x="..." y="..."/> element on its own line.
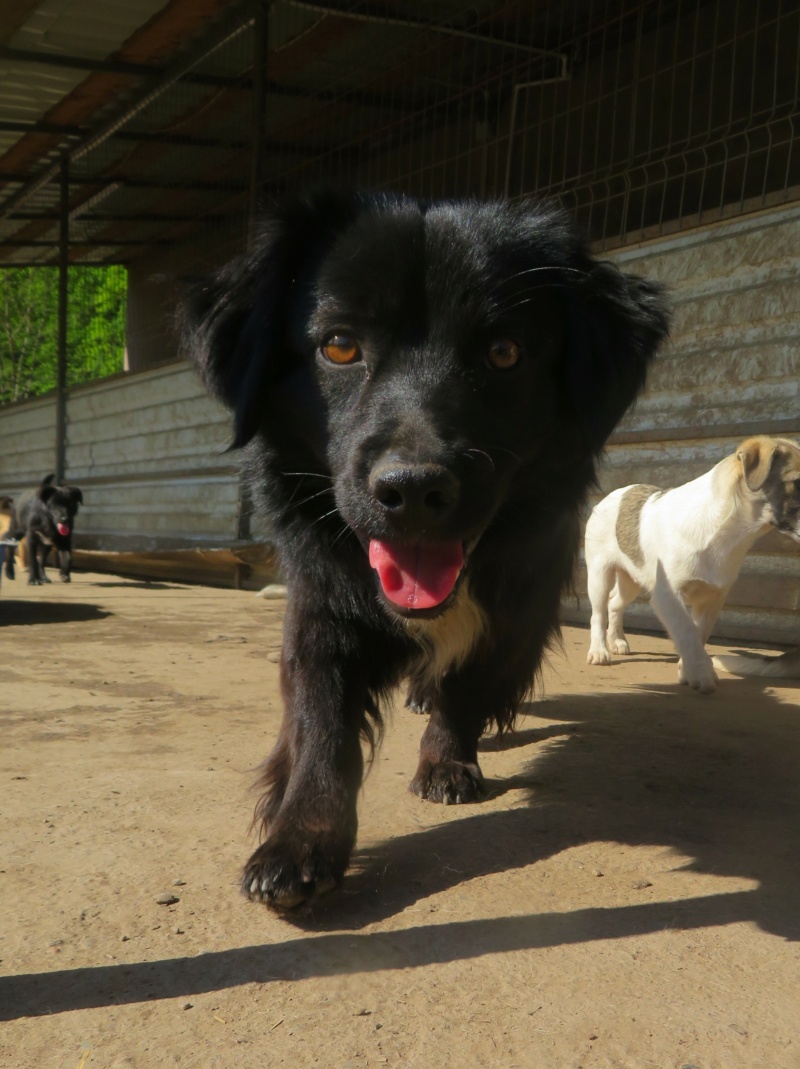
<point x="787" y="666"/>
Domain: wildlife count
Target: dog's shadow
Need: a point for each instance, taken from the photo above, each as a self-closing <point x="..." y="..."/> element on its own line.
<point x="714" y="781"/>
<point x="136" y="584"/>
<point x="17" y="612"/>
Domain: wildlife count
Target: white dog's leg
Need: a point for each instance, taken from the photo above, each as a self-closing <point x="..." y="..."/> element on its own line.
<point x="705" y="613"/>
<point x="695" y="667"/>
<point x="600" y="581"/>
<point x="625" y="590"/>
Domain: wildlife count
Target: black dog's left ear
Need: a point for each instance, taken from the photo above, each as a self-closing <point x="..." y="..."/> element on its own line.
<point x="616" y="323"/>
<point x="46" y="491"/>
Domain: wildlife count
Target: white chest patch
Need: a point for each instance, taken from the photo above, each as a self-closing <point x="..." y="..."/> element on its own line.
<point x="449" y="639"/>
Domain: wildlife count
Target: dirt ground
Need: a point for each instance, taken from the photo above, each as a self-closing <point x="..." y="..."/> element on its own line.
<point x="627" y="897"/>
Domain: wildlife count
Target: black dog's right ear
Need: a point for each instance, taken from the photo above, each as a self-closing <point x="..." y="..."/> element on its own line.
<point x="235" y="323"/>
<point x="46" y="491"/>
<point x="616" y="324"/>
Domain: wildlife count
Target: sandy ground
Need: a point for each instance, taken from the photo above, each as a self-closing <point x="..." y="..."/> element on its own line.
<point x="628" y="896"/>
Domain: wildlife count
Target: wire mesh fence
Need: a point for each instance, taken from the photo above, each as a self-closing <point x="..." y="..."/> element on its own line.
<point x="641" y="117"/>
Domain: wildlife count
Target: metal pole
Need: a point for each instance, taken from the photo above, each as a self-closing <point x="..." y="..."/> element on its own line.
<point x="260" y="48"/>
<point x="244" y="530"/>
<point x="63" y="269"/>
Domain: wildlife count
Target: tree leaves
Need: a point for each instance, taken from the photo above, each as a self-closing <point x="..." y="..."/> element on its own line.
<point x="29" y="327"/>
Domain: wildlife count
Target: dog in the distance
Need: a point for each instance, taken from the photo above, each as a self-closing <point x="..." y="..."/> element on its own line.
<point x="421" y="391"/>
<point x="45" y="518"/>
<point x="685" y="547"/>
<point x="6" y="508"/>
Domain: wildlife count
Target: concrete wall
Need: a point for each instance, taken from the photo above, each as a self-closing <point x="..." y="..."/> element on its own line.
<point x="147" y="451"/>
<point x="732" y="369"/>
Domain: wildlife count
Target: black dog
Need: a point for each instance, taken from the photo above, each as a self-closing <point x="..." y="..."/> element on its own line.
<point x="422" y="391"/>
<point x="44" y="518"/>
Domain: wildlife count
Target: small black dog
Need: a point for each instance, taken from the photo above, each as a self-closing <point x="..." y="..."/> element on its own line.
<point x="44" y="518"/>
<point x="422" y="390"/>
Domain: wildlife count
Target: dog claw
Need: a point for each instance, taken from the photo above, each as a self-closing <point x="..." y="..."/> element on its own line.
<point x="284" y="877"/>
<point x="449" y="783"/>
<point x="602" y="657"/>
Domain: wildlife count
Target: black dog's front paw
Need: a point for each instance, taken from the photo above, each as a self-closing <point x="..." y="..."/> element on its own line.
<point x="449" y="782"/>
<point x="64" y="577"/>
<point x="36" y="582"/>
<point x="418" y="703"/>
<point x="286" y="875"/>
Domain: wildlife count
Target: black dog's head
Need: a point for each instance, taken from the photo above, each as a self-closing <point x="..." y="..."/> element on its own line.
<point x="61" y="504"/>
<point x="439" y="360"/>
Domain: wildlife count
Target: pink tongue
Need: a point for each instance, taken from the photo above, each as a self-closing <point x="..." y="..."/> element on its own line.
<point x="62" y="529"/>
<point x="416" y="576"/>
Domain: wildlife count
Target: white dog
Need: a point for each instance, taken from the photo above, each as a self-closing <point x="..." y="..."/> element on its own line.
<point x="685" y="547"/>
<point x="786" y="666"/>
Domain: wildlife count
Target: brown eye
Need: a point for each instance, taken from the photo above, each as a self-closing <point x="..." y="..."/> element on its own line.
<point x="341" y="349"/>
<point x="504" y="354"/>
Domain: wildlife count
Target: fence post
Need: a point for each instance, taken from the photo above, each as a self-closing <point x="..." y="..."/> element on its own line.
<point x="63" y="293"/>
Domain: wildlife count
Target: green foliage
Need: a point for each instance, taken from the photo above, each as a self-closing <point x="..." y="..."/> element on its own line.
<point x="29" y="327"/>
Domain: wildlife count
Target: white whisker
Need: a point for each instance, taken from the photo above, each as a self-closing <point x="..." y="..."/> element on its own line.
<point x="309" y="474"/>
<point x="325" y="516"/>
<point x="482" y="453"/>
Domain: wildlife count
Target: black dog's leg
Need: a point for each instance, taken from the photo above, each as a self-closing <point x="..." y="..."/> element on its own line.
<point x="11" y="552"/>
<point x="33" y="543"/>
<point x="465" y="703"/>
<point x="468" y="700"/>
<point x="313" y="776"/>
<point x="45" y="553"/>
<point x="419" y="697"/>
<point x="448" y="769"/>
<point x="64" y="564"/>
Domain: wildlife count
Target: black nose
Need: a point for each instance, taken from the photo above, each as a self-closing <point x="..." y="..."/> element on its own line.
<point x="414" y="493"/>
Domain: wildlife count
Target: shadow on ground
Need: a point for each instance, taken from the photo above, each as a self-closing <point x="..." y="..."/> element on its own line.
<point x="713" y="779"/>
<point x="134" y="584"/>
<point x="16" y="612"/>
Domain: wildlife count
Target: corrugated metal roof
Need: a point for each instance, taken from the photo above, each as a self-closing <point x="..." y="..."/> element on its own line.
<point x="347" y="83"/>
<point x="83" y="28"/>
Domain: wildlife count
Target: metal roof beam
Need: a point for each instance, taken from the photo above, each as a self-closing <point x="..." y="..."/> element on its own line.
<point x="111" y="66"/>
<point x="138" y="217"/>
<point x="191" y="140"/>
<point x="136" y="183"/>
<point x="62" y="130"/>
<point x="44" y="243"/>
